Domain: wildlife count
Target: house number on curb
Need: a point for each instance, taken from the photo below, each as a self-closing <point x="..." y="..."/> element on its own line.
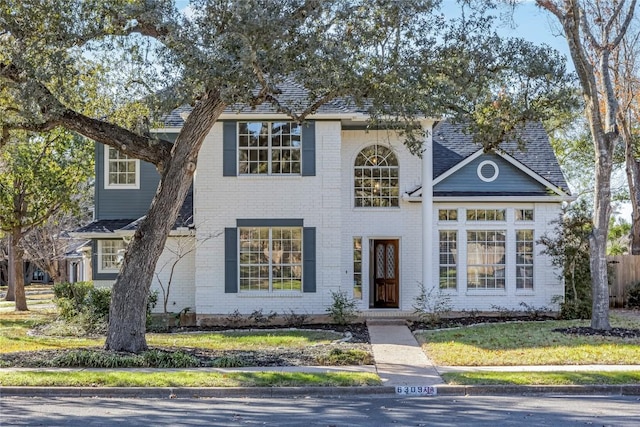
<point x="416" y="390"/>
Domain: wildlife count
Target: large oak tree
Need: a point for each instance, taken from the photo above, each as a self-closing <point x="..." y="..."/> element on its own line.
<point x="93" y="65"/>
<point x="594" y="31"/>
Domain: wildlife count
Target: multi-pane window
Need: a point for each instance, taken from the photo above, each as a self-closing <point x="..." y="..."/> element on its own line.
<point x="376" y="181"/>
<point x="448" y="256"/>
<point x="486" y="259"/>
<point x="524" y="259"/>
<point x="447" y="214"/>
<point x="110" y="253"/>
<point x="121" y="170"/>
<point x="357" y="267"/>
<point x="270" y="259"/>
<point x="269" y="148"/>
<point x="524" y="214"/>
<point x="486" y="214"/>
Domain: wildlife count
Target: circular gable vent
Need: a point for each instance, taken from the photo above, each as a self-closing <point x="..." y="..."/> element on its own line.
<point x="488" y="171"/>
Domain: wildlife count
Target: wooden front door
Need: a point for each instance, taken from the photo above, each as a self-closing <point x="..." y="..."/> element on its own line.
<point x="385" y="273"/>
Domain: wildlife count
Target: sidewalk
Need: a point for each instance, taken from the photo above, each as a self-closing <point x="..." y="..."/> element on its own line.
<point x="399" y="359"/>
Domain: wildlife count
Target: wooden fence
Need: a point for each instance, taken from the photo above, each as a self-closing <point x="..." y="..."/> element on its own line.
<point x="626" y="273"/>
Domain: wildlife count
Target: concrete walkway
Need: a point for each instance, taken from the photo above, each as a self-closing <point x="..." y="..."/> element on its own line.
<point x="399" y="359"/>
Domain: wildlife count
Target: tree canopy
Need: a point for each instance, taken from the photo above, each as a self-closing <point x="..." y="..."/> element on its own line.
<point x="41" y="175"/>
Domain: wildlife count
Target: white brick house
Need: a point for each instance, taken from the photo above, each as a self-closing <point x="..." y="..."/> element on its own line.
<point x="282" y="214"/>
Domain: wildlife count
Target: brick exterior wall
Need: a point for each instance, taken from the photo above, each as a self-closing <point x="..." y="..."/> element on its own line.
<point x="326" y="202"/>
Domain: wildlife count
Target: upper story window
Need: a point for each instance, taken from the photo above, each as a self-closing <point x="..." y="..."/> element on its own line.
<point x="269" y="148"/>
<point x="486" y="214"/>
<point x="376" y="182"/>
<point x="524" y="214"/>
<point x="121" y="171"/>
<point x="447" y="214"/>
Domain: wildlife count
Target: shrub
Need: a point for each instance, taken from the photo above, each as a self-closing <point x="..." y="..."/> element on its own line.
<point x="103" y="359"/>
<point x="259" y="318"/>
<point x="430" y="305"/>
<point x="70" y="297"/>
<point x="633" y="296"/>
<point x="568" y="247"/>
<point x="228" y="362"/>
<point x="580" y="309"/>
<point x="339" y="357"/>
<point x="293" y="319"/>
<point x="97" y="304"/>
<point x="87" y="308"/>
<point x="343" y="310"/>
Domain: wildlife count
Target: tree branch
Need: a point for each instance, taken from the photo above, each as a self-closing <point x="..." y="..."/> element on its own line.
<point x="145" y="148"/>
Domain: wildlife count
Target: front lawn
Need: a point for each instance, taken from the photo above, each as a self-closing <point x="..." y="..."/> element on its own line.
<point x="542" y="378"/>
<point x="529" y="343"/>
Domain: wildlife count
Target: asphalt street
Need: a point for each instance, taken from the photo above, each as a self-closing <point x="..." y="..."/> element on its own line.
<point x="477" y="411"/>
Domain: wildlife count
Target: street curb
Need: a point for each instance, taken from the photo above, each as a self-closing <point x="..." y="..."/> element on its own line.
<point x="267" y="392"/>
<point x="190" y="392"/>
<point x="505" y="390"/>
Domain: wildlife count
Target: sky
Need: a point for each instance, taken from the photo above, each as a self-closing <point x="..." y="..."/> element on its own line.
<point x="528" y="22"/>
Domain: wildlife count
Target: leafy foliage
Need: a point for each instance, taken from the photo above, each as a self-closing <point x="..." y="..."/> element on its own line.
<point x="101" y="359"/>
<point x="633" y="296"/>
<point x="87" y="307"/>
<point x="568" y="246"/>
<point x="430" y="305"/>
<point x="340" y="357"/>
<point x="343" y="309"/>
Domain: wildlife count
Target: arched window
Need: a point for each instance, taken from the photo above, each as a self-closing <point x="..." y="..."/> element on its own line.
<point x="376" y="177"/>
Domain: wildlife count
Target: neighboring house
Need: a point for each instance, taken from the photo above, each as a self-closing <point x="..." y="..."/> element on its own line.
<point x="281" y="214"/>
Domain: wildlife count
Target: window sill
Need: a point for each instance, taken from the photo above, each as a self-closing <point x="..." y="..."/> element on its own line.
<point x="270" y="294"/>
<point x="486" y="292"/>
<point x="122" y="187"/>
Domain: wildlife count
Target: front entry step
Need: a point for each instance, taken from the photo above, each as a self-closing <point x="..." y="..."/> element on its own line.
<point x="386" y="321"/>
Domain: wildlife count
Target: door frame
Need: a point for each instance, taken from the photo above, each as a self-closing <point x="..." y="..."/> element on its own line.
<point x="373" y="304"/>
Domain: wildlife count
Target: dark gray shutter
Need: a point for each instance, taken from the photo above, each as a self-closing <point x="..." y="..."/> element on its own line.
<point x="230" y="260"/>
<point x="229" y="147"/>
<point x="309" y="259"/>
<point x="309" y="148"/>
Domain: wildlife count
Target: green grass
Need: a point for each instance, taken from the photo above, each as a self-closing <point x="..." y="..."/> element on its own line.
<point x="243" y="340"/>
<point x="542" y="378"/>
<point x="15" y="336"/>
<point x="528" y="343"/>
<point x="14" y="333"/>
<point x="186" y="379"/>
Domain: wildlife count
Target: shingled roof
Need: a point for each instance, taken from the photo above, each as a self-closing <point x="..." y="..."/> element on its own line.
<point x="293" y="95"/>
<point x="451" y="145"/>
<point x="185" y="219"/>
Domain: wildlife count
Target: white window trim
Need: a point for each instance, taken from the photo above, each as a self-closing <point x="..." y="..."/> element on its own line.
<point x="270" y="149"/>
<point x="271" y="291"/>
<point x="510" y="225"/>
<point x="107" y="186"/>
<point x="100" y="254"/>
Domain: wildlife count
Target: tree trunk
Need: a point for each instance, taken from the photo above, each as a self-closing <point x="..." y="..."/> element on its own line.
<point x="632" y="166"/>
<point x="16" y="269"/>
<point x="127" y="314"/>
<point x="11" y="273"/>
<point x="598" y="237"/>
<point x="633" y="177"/>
